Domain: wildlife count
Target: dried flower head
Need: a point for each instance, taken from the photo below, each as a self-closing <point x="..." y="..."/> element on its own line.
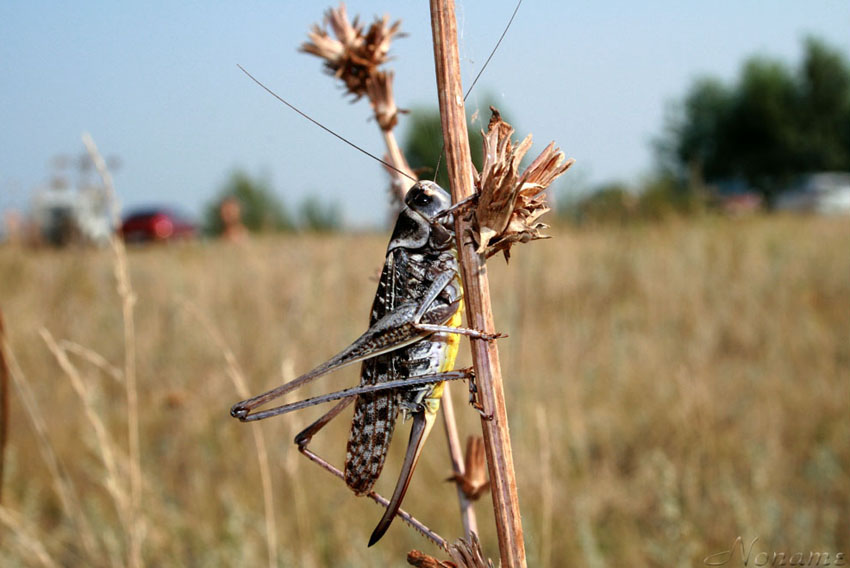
<point x="350" y="54"/>
<point x="509" y="203"/>
<point x="464" y="555"/>
<point x="474" y="480"/>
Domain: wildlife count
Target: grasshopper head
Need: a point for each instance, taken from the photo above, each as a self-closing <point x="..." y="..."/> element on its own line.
<point x="421" y="222"/>
<point x="427" y="199"/>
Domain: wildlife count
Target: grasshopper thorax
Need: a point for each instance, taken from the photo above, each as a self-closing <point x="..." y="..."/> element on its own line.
<point x="423" y="221"/>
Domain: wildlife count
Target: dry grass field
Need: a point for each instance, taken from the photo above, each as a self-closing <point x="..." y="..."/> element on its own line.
<point x="670" y="388"/>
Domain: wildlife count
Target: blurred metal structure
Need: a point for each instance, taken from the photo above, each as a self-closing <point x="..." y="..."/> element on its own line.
<point x="65" y="213"/>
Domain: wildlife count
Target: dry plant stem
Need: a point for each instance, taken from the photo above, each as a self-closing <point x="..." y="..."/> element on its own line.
<point x="104" y="442"/>
<point x="397" y="159"/>
<point x="128" y="301"/>
<point x="485" y="356"/>
<point x="467" y="512"/>
<point x="92" y="357"/>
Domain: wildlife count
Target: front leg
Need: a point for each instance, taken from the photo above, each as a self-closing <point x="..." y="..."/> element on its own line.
<point x="434" y="290"/>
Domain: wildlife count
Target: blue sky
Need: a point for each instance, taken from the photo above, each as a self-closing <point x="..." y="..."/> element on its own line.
<point x="156" y="83"/>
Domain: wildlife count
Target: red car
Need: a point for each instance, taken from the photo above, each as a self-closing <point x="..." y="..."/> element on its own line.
<point x="146" y="225"/>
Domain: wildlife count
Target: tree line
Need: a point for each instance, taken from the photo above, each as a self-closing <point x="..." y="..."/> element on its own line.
<point x="773" y="123"/>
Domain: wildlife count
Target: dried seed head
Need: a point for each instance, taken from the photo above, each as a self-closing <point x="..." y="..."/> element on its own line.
<point x="474" y="480"/>
<point x="354" y="56"/>
<point x="509" y="203"/>
<point x="468" y="554"/>
<point x="351" y="55"/>
<point x="464" y="555"/>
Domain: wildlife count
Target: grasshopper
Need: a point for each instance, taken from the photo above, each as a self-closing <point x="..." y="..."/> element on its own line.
<point x="407" y="353"/>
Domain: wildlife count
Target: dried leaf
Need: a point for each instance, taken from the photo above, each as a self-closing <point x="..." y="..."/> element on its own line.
<point x="469" y="554"/>
<point x="474" y="480"/>
<point x="509" y="203"/>
<point x="422" y="560"/>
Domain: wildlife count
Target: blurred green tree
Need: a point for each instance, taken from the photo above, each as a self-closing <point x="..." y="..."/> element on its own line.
<point x="319" y="217"/>
<point x="260" y="207"/>
<point x="776" y="122"/>
<point x="825" y="108"/>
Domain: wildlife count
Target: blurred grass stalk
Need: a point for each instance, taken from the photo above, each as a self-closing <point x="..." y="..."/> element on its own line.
<point x="135" y="519"/>
<point x="62" y="482"/>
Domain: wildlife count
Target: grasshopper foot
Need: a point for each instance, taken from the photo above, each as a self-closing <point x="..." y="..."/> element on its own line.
<point x="492" y="336"/>
<point x="239" y="411"/>
<point x="488" y="416"/>
<point x="474" y="399"/>
<point x="302" y="439"/>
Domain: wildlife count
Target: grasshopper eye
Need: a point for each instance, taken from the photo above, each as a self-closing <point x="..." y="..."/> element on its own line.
<point x="422" y="199"/>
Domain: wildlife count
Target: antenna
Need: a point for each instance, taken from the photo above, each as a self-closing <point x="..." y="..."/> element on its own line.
<point x="325" y="128"/>
<point x="358" y="148"/>
<point x="478" y="76"/>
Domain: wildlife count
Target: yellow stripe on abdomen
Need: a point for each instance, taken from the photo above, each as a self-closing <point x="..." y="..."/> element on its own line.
<point x="452" y="342"/>
<point x="432" y="400"/>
